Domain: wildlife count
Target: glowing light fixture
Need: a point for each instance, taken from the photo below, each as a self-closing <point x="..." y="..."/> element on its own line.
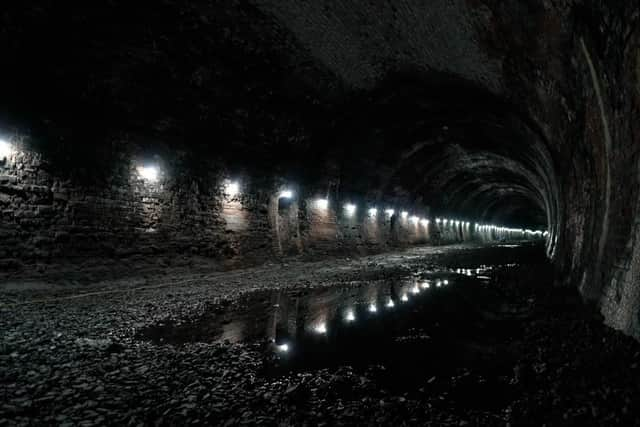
<point x="5" y="149"/>
<point x="285" y="194"/>
<point x="350" y="317"/>
<point x="404" y="214"/>
<point x="390" y="212"/>
<point x="283" y="348"/>
<point x="404" y="298"/>
<point x="426" y="285"/>
<point x="231" y="188"/>
<point x="415" y="290"/>
<point x="373" y="212"/>
<point x="415" y="219"/>
<point x="446" y="282"/>
<point x="321" y="328"/>
<point x="438" y="283"/>
<point x="322" y="203"/>
<point x="438" y="220"/>
<point x="148" y="173"/>
<point x="373" y="308"/>
<point x="390" y="304"/>
<point x="424" y="222"/>
<point x="350" y="209"/>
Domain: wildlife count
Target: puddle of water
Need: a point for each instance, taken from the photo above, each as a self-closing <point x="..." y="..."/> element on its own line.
<point x="415" y="326"/>
<point x="286" y="316"/>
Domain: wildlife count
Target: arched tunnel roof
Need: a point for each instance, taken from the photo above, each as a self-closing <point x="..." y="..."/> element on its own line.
<point x="448" y="103"/>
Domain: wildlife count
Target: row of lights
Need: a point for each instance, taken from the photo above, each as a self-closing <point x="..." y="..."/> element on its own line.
<point x="457" y="223"/>
<point x="489" y="227"/>
<point x="350" y="316"/>
<point x="232" y="188"/>
<point x="151" y="174"/>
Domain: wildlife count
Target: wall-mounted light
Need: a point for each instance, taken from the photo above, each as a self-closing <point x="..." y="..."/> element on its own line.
<point x="350" y="209"/>
<point x="231" y="188"/>
<point x="404" y="214"/>
<point x="321" y="203"/>
<point x="373" y="212"/>
<point x="5" y="149"/>
<point x="426" y="285"/>
<point x="285" y="194"/>
<point x="389" y="212"/>
<point x="404" y="298"/>
<point x="283" y="348"/>
<point x="373" y="308"/>
<point x="415" y="219"/>
<point x="390" y="304"/>
<point x="424" y="222"/>
<point x="149" y="173"/>
<point x="438" y="220"/>
<point x="321" y="328"/>
<point x="350" y="317"/>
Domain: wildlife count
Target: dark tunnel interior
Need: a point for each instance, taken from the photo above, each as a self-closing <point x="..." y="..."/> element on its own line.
<point x="212" y="160"/>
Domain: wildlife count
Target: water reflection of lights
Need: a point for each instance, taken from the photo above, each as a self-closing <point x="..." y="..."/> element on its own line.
<point x="321" y="328"/>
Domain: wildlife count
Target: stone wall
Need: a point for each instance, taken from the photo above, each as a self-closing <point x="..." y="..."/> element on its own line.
<point x="52" y="215"/>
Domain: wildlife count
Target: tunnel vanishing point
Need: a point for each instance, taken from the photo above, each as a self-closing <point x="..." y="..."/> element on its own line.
<point x="246" y="132"/>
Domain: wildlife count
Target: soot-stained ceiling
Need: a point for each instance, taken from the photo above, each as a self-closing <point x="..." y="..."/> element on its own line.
<point x="417" y="101"/>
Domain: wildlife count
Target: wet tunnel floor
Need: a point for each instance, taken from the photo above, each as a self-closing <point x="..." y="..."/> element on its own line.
<point x="443" y="336"/>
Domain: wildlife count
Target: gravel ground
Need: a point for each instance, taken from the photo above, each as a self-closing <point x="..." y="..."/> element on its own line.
<point x="69" y="355"/>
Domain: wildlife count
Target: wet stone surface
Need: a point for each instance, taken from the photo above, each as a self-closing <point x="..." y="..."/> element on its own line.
<point x="497" y="345"/>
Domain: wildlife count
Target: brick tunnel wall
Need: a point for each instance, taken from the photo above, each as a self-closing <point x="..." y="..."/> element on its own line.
<point x="51" y="217"/>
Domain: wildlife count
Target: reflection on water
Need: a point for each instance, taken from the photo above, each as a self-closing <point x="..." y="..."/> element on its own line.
<point x="406" y="329"/>
<point x="428" y="319"/>
<point x="285" y="315"/>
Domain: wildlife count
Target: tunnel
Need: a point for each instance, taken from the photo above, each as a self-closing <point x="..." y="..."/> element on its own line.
<point x="332" y="212"/>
